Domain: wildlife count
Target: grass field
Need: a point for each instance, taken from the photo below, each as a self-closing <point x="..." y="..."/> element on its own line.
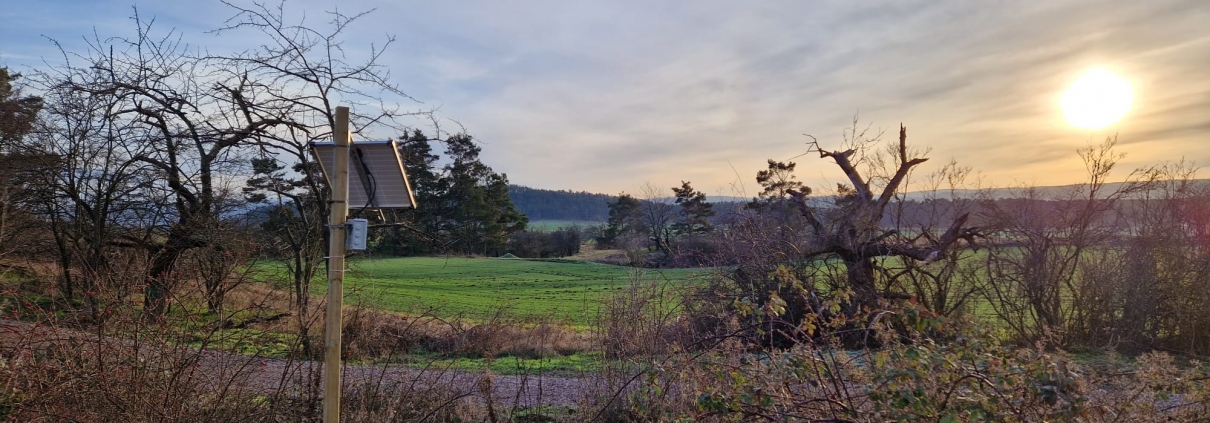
<point x="476" y="287"/>
<point x="550" y="225"/>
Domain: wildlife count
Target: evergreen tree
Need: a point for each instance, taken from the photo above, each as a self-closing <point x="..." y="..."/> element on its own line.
<point x="466" y="207"/>
<point x="502" y="219"/>
<point x="625" y="217"/>
<point x="778" y="183"/>
<point x="17" y="112"/>
<point x="419" y="226"/>
<point x="695" y="211"/>
<point x="462" y="207"/>
<point x="464" y="199"/>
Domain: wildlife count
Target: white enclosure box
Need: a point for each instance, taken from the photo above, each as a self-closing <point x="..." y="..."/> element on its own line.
<point x="356" y="239"/>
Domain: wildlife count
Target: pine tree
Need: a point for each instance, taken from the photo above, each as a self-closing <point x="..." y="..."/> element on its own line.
<point x="695" y="211"/>
<point x="624" y="218"/>
<point x="416" y="235"/>
<point x="17" y="112"/>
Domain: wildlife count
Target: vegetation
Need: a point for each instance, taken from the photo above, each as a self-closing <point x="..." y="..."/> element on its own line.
<point x="561" y="242"/>
<point x="463" y="206"/>
<point x="551" y="225"/>
<point x="162" y="228"/>
<point x="544" y="204"/>
<point x="478" y="288"/>
<point x="17" y="116"/>
<point x="659" y="223"/>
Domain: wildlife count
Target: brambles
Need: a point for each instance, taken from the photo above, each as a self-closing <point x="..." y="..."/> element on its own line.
<point x="971" y="378"/>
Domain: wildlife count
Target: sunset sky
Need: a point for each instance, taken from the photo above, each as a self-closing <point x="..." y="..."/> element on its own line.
<point x="605" y="96"/>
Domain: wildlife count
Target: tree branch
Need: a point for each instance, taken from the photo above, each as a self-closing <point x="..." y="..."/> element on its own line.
<point x="905" y="166"/>
<point x="800" y="200"/>
<point x="926" y="254"/>
<point x="842" y="159"/>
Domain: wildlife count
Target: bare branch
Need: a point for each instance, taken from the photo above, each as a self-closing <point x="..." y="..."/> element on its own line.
<point x="842" y="160"/>
<point x="905" y="166"/>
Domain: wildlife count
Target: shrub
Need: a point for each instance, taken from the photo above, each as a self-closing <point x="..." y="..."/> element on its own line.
<point x="562" y="242"/>
<point x="909" y="379"/>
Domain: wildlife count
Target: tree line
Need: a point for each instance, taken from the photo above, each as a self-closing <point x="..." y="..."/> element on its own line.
<point x="544" y="204"/>
<point x="1098" y="264"/>
<point x="143" y="164"/>
<point x="1095" y="264"/>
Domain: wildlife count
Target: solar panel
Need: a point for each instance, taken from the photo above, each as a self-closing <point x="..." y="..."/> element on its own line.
<point x="376" y="176"/>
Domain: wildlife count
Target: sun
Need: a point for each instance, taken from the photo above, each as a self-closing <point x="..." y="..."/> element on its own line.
<point x="1097" y="99"/>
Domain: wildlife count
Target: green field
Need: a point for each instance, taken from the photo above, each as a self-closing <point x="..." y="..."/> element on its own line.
<point x="550" y="225"/>
<point x="476" y="287"/>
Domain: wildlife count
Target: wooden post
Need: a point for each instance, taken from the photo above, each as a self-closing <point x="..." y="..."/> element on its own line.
<point x="338" y="213"/>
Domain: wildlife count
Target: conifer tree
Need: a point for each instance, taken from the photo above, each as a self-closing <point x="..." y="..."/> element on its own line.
<point x="695" y="211"/>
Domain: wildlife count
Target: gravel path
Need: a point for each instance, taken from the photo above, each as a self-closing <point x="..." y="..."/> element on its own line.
<point x="266" y="375"/>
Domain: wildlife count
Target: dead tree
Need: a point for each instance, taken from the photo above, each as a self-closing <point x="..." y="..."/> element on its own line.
<point x="853" y="232"/>
<point x="298" y="72"/>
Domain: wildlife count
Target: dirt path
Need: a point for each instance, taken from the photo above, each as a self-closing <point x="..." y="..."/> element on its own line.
<point x="268" y="375"/>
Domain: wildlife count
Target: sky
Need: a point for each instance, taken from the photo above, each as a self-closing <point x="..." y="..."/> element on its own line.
<point x="608" y="96"/>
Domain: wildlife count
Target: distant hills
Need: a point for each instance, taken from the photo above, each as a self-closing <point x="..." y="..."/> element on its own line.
<point x="544" y="204"/>
<point x="1050" y="192"/>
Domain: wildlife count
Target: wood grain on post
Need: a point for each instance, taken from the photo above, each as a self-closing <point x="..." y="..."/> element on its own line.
<point x="338" y="213"/>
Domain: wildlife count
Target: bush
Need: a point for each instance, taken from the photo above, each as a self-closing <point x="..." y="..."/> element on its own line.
<point x="562" y="242"/>
<point x="910" y="378"/>
<point x="187" y="368"/>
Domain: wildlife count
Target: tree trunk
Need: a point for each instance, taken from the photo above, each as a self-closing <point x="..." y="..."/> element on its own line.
<point x="860" y="272"/>
<point x="302" y="298"/>
<point x="64" y="259"/>
<point x="214" y="298"/>
<point x="159" y="281"/>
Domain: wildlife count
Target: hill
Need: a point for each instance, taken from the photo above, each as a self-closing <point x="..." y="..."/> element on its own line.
<point x="544" y="204"/>
<point x="1055" y="191"/>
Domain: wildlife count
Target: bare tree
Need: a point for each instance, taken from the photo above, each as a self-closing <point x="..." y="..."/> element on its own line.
<point x="183" y="125"/>
<point x="658" y="212"/>
<point x="938" y="285"/>
<point x="1144" y="288"/>
<point x="1041" y="241"/>
<point x="852" y="230"/>
<point x="89" y="187"/>
<point x="299" y="74"/>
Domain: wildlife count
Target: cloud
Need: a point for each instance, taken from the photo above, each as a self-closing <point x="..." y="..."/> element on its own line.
<point x="605" y="96"/>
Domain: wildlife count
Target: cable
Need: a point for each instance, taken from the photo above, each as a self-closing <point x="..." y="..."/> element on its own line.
<point x="368" y="182"/>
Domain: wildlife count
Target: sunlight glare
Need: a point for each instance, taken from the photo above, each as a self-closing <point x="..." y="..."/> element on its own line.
<point x="1097" y="99"/>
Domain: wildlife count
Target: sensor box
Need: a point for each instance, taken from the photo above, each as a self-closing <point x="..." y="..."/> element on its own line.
<point x="355" y="239"/>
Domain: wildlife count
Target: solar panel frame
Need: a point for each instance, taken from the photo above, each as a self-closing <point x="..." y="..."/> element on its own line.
<point x="393" y="190"/>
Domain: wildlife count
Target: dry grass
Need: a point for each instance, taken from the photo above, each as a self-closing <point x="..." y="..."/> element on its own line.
<point x="375" y="334"/>
<point x="132" y="371"/>
<point x="122" y="368"/>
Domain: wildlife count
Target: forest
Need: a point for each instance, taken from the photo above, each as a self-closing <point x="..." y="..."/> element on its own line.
<point x="542" y="204"/>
